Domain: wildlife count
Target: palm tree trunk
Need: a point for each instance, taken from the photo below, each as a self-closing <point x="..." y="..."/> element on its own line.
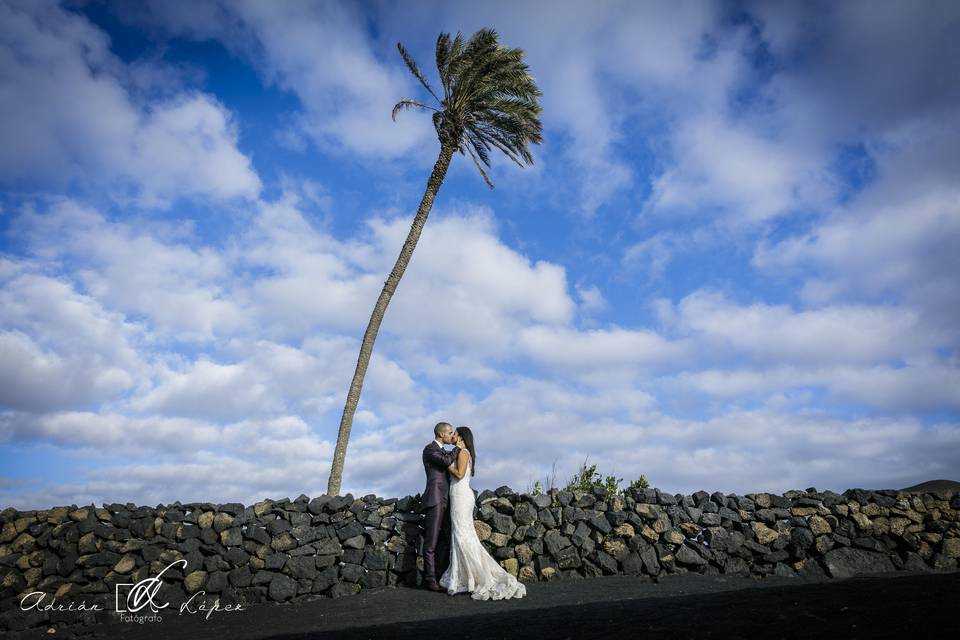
<point x="366" y="347"/>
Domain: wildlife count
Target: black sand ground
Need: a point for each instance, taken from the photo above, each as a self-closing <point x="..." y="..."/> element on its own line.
<point x="900" y="605"/>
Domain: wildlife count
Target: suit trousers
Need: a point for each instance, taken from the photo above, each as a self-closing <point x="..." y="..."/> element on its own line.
<point x="434" y="521"/>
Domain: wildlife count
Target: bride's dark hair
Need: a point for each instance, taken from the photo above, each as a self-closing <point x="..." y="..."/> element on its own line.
<point x="467" y="435"/>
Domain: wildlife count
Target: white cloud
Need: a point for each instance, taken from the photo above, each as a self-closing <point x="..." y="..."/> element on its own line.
<point x="839" y="86"/>
<point x="852" y="334"/>
<point x="302" y="278"/>
<point x="462" y="366"/>
<point x="650" y="257"/>
<point x="322" y="54"/>
<point x="268" y="308"/>
<point x="287" y="470"/>
<point x="31" y="378"/>
<point x="615" y="66"/>
<point x="812" y="88"/>
<point x="347" y="97"/>
<point x="583" y="351"/>
<point x="751" y="178"/>
<point x="62" y="349"/>
<point x="897" y="238"/>
<point x="886" y="357"/>
<point x="106" y="434"/>
<point x="523" y="426"/>
<point x="166" y="459"/>
<point x="180" y="146"/>
<point x="928" y="386"/>
<point x="188" y="146"/>
<point x="269" y="380"/>
<point x="463" y="285"/>
<point x="591" y="298"/>
<point x="139" y="268"/>
<point x="209" y="390"/>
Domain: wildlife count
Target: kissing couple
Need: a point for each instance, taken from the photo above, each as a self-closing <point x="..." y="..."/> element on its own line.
<point x="471" y="568"/>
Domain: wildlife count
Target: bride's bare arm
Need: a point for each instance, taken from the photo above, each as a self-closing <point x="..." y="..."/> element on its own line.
<point x="459" y="468"/>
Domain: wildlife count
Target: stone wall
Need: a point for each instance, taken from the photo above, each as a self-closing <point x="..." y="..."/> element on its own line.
<point x="336" y="546"/>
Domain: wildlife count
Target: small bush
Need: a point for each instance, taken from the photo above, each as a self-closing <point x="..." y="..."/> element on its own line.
<point x="585" y="480"/>
<point x="588" y="478"/>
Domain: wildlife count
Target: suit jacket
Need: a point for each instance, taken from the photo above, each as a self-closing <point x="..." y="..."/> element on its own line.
<point x="436" y="459"/>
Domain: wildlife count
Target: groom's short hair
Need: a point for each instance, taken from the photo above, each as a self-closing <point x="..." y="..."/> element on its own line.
<point x="437" y="430"/>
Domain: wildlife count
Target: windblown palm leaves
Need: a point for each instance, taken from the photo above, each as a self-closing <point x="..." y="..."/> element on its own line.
<point x="490" y="100"/>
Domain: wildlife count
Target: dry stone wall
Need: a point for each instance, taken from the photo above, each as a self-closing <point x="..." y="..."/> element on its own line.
<point x="333" y="546"/>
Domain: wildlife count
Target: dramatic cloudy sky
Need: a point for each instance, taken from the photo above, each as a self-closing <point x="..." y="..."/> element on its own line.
<point x="732" y="267"/>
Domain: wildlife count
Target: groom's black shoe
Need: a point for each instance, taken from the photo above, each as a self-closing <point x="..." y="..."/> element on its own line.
<point x="432" y="585"/>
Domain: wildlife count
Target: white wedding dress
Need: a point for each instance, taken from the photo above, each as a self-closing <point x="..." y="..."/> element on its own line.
<point x="472" y="568"/>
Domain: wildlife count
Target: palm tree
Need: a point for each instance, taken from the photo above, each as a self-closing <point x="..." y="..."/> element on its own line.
<point x="490" y="101"/>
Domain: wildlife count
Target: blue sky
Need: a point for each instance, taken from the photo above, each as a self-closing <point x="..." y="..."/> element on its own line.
<point x="732" y="266"/>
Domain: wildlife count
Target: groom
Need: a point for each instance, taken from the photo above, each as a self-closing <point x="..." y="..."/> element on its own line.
<point x="436" y="459"/>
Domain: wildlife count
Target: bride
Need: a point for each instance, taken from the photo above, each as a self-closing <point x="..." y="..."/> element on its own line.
<point x="471" y="567"/>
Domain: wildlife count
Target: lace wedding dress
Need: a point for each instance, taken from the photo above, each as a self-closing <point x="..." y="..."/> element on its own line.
<point x="472" y="568"/>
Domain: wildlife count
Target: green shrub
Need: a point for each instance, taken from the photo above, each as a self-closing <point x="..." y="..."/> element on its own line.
<point x="586" y="479"/>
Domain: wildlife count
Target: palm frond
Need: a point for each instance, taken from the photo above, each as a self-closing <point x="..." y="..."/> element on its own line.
<point x="480" y="168"/>
<point x="407" y="104"/>
<point x="415" y="70"/>
<point x="484" y="40"/>
<point x="451" y="62"/>
<point x="443" y="57"/>
<point x="511" y="133"/>
<point x="499" y="79"/>
<point x="480" y="146"/>
<point x="479" y="55"/>
<point x="493" y="140"/>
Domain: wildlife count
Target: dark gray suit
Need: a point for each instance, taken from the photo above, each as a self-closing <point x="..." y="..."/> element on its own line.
<point x="434" y="502"/>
